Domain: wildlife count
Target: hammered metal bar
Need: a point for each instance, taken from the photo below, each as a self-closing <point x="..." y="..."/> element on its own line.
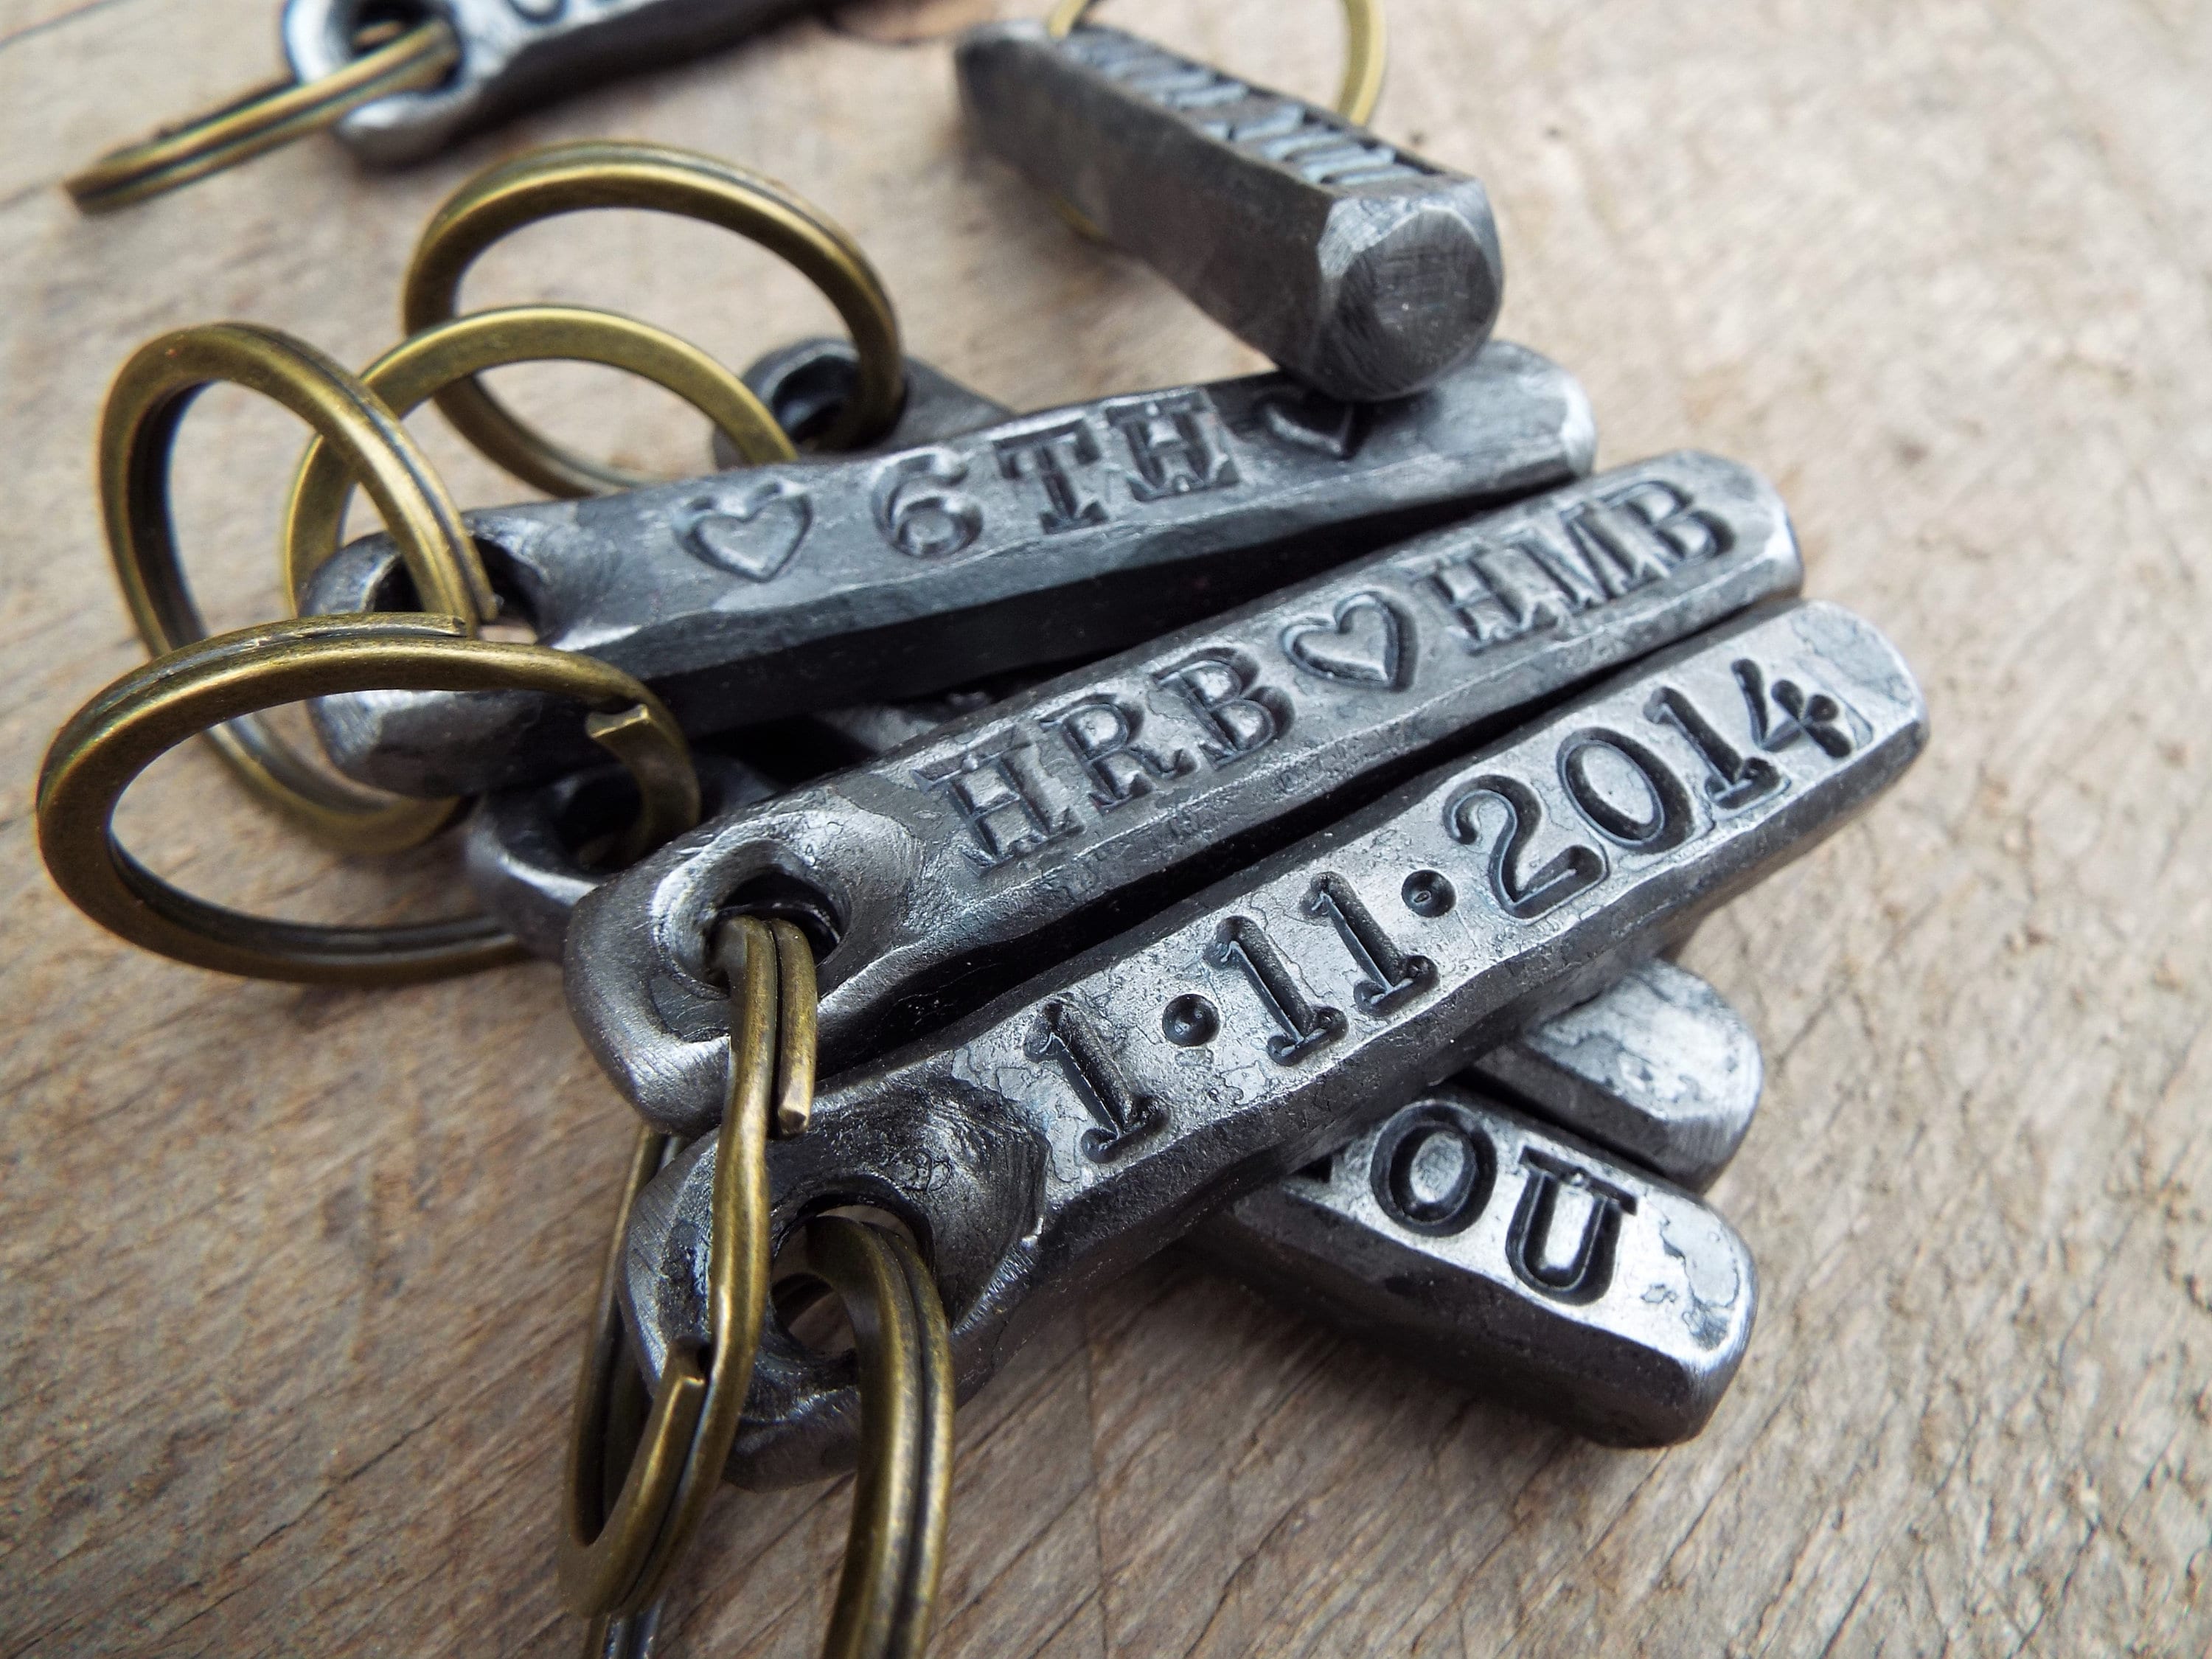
<point x="745" y="597"/>
<point x="1359" y="267"/>
<point x="1079" y="1124"/>
<point x="1041" y="824"/>
<point x="1659" y="1070"/>
<point x="1512" y="1260"/>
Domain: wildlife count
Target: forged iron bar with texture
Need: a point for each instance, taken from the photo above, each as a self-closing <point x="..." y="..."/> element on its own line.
<point x="952" y="867"/>
<point x="1510" y="1259"/>
<point x="1659" y="1070"/>
<point x="1658" y="1067"/>
<point x="515" y="54"/>
<point x="745" y="597"/>
<point x="1066" y="1132"/>
<point x="523" y="847"/>
<point x="1359" y="267"/>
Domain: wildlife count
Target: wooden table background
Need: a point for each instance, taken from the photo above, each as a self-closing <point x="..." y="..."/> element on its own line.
<point x="291" y="1280"/>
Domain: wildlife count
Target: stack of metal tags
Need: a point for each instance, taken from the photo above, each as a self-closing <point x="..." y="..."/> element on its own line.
<point x="1258" y="813"/>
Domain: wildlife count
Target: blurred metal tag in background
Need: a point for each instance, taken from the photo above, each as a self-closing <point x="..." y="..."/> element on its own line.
<point x="1359" y="267"/>
<point x="515" y="54"/>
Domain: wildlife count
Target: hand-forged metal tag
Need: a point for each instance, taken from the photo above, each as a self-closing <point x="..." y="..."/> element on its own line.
<point x="747" y="596"/>
<point x="1660" y="1069"/>
<point x="1465" y="1237"/>
<point x="1036" y="826"/>
<point x="1360" y="268"/>
<point x="1075" y="1126"/>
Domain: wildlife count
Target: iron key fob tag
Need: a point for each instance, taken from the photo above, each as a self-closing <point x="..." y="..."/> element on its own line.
<point x="399" y="89"/>
<point x="1659" y="1069"/>
<point x="1021" y="833"/>
<point x="1467" y="1239"/>
<point x="745" y="597"/>
<point x="1511" y="1259"/>
<point x="1360" y="268"/>
<point x="515" y="54"/>
<point x="1083" y="1121"/>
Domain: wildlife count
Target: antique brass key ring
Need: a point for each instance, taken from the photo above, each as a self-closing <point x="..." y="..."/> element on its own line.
<point x="572" y="178"/>
<point x="125" y="728"/>
<point x="618" y="1551"/>
<point x="424" y="364"/>
<point x="145" y="407"/>
<point x="1366" y="51"/>
<point x="268" y="118"/>
<point x="358" y="436"/>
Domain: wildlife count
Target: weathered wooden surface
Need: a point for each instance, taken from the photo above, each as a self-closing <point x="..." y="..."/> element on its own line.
<point x="290" y="1281"/>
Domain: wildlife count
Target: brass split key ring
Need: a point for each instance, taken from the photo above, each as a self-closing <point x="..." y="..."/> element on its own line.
<point x="393" y="60"/>
<point x="359" y="439"/>
<point x="125" y="729"/>
<point x="636" y="1491"/>
<point x="572" y="178"/>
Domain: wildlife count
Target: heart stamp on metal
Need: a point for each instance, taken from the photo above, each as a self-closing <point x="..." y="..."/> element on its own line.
<point x="754" y="536"/>
<point x="1366" y="642"/>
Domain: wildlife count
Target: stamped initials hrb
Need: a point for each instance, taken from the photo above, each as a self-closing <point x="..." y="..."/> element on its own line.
<point x="1008" y="837"/>
<point x="1232" y="1018"/>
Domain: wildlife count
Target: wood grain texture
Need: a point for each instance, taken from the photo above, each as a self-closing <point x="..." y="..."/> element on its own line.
<point x="291" y="1281"/>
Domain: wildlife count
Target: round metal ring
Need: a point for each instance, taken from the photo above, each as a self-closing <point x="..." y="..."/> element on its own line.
<point x="265" y="119"/>
<point x="616" y="1557"/>
<point x="426" y="363"/>
<point x="149" y="711"/>
<point x="1366" y="51"/>
<point x="572" y="178"/>
<point x="894" y="1541"/>
<point x="616" y="1554"/>
<point x="137" y="429"/>
<point x="895" y="1544"/>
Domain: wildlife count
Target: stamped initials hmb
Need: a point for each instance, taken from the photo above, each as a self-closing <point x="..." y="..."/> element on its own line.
<point x="1582" y="557"/>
